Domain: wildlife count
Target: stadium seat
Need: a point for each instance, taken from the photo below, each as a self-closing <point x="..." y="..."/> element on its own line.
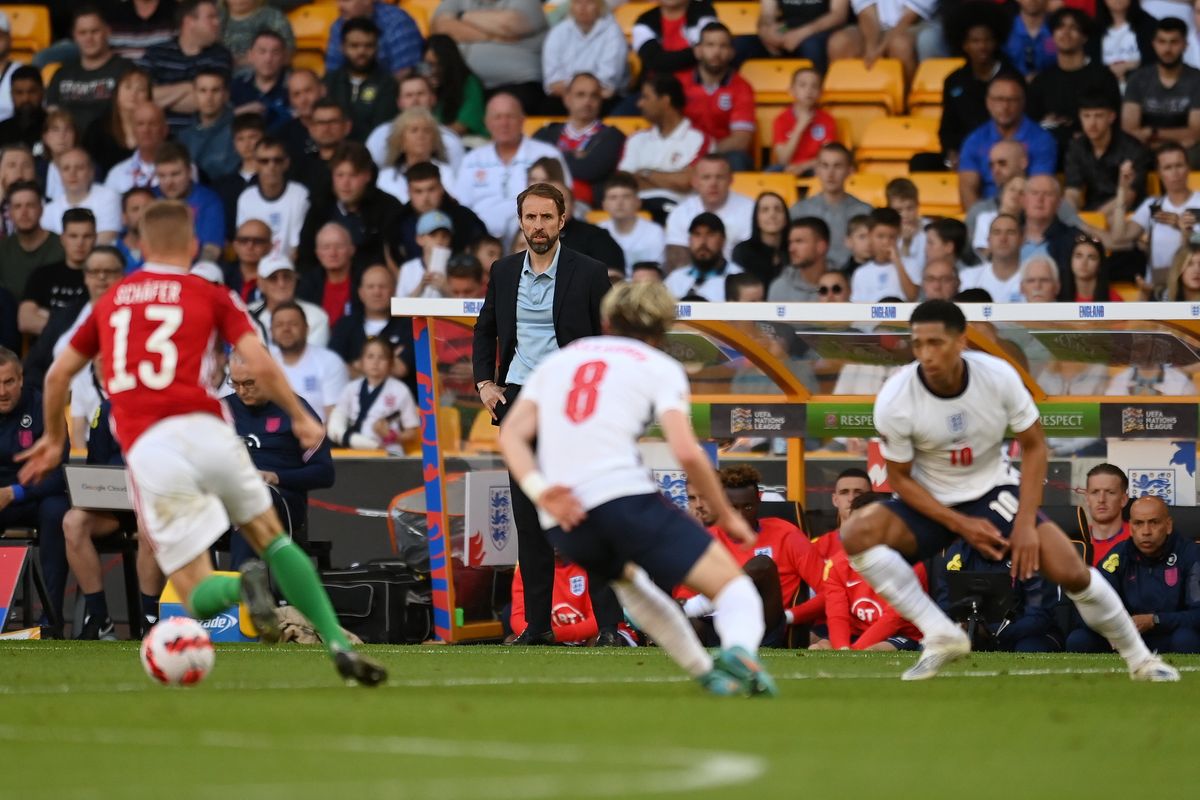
<point x="29" y="30"/>
<point x="772" y="77"/>
<point x="627" y="125"/>
<point x="849" y="82"/>
<point x="740" y="18"/>
<point x="421" y="11"/>
<point x="1094" y="219"/>
<point x="598" y="215"/>
<point x="868" y="187"/>
<point x="764" y="119"/>
<point x="309" y="59"/>
<point x="888" y="143"/>
<point x="852" y="121"/>
<point x="938" y="192"/>
<point x="752" y="184"/>
<point x="626" y="15"/>
<point x="311" y="24"/>
<point x="483" y="435"/>
<point x="49" y="70"/>
<point x="928" y="82"/>
<point x="535" y="124"/>
<point x="1194" y="181"/>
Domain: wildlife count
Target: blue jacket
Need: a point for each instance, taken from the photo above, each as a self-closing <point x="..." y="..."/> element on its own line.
<point x="19" y="429"/>
<point x="102" y="447"/>
<point x="1167" y="585"/>
<point x="1036" y="597"/>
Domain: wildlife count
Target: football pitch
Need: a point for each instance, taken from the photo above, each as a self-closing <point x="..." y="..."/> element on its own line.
<point x="81" y="720"/>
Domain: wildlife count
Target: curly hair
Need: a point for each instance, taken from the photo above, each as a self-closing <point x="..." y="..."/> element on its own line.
<point x="740" y="476"/>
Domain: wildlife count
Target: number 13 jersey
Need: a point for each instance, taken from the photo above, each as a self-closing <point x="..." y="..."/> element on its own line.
<point x="594" y="398"/>
<point x="155" y="332"/>
<point x="955" y="444"/>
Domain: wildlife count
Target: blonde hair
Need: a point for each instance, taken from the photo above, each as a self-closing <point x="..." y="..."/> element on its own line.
<point x="167" y="229"/>
<point x="1175" y="276"/>
<point x="638" y="310"/>
<point x="395" y="141"/>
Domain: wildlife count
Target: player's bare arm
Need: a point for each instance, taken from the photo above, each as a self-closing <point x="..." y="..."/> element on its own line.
<point x="516" y="445"/>
<point x="677" y="429"/>
<point x="979" y="533"/>
<point x="46" y="453"/>
<point x="307" y="428"/>
<point x="1024" y="540"/>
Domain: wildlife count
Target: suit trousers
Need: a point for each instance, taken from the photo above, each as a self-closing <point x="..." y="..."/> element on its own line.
<point x="535" y="555"/>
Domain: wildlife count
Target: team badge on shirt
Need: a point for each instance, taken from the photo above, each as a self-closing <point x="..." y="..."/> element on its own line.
<point x="1111" y="563"/>
<point x="725" y="102"/>
<point x="769" y="552"/>
<point x="578" y="585"/>
<point x="26" y="421"/>
<point x="1171" y="559"/>
<point x="1171" y="576"/>
<point x="273" y="424"/>
<point x="957" y="423"/>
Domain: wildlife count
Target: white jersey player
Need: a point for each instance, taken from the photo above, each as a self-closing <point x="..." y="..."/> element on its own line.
<point x="943" y="421"/>
<point x="586" y="405"/>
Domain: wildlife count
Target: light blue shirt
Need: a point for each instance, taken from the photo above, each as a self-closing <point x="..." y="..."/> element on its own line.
<point x="535" y="319"/>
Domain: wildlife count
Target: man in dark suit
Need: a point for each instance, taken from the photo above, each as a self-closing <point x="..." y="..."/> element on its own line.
<point x="537" y="302"/>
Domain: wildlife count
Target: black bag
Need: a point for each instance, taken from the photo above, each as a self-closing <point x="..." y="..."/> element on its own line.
<point x="383" y="602"/>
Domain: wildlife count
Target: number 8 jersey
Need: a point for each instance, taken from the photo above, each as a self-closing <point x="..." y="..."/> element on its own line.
<point x="155" y="333"/>
<point x="955" y="444"/>
<point x="594" y="398"/>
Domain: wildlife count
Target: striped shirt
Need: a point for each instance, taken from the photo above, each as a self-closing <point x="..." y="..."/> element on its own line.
<point x="131" y="35"/>
<point x="400" y="45"/>
<point x="168" y="64"/>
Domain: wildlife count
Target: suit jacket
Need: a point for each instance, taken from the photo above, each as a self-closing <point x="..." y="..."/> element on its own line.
<point x="579" y="286"/>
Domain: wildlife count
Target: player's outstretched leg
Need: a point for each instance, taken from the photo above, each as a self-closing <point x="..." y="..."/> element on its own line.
<point x="1099" y="605"/>
<point x="866" y="537"/>
<point x="652" y="610"/>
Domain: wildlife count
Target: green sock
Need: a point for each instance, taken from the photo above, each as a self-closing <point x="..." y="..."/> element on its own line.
<point x="298" y="581"/>
<point x="214" y="594"/>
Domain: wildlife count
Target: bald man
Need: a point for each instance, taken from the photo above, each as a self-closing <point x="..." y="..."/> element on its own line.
<point x="330" y="287"/>
<point x="149" y="131"/>
<point x="1157" y="574"/>
<point x="1007" y="160"/>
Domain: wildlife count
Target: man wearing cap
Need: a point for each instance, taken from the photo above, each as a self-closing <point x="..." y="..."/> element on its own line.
<point x="711" y="182"/>
<point x="425" y="275"/>
<point x="277" y="281"/>
<point x="704" y="277"/>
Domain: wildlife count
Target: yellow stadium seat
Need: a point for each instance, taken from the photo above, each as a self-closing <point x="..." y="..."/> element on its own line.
<point x="929" y="80"/>
<point x="752" y="184"/>
<point x="29" y="29"/>
<point x="598" y="215"/>
<point x="311" y="24"/>
<point x="888" y="169"/>
<point x="627" y="125"/>
<point x="895" y="139"/>
<point x="535" y="124"/>
<point x="626" y="15"/>
<point x="938" y="192"/>
<point x="740" y="18"/>
<point x="852" y="121"/>
<point x="310" y="59"/>
<point x="848" y="81"/>
<point x="1194" y="181"/>
<point x="868" y="188"/>
<point x="1094" y="219"/>
<point x="49" y="70"/>
<point x="422" y="15"/>
<point x="771" y="78"/>
<point x="484" y="435"/>
<point x="764" y="118"/>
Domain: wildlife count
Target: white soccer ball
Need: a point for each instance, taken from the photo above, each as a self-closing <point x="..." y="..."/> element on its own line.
<point x="177" y="652"/>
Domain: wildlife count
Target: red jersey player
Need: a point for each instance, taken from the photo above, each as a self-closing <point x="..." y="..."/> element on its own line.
<point x="1107" y="494"/>
<point x="191" y="474"/>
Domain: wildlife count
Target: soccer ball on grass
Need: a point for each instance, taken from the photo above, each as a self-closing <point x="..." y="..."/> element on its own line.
<point x="177" y="652"/>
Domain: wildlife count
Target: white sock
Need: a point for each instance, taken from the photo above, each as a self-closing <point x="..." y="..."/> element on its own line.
<point x="738" y="615"/>
<point x="1102" y="610"/>
<point x="698" y="606"/>
<point x="894" y="580"/>
<point x="653" y="610"/>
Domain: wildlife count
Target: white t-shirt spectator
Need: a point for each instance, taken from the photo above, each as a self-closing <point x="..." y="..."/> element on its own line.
<point x="314" y="315"/>
<point x="319" y="376"/>
<point x="1165" y="240"/>
<point x="1120" y="44"/>
<point x="602" y="51"/>
<point x="710" y="286"/>
<point x="411" y="273"/>
<point x="6" y="103"/>
<point x="1002" y="290"/>
<point x="874" y="281"/>
<point x="284" y="215"/>
<point x="890" y="11"/>
<point x="377" y="146"/>
<point x="394" y="182"/>
<point x="651" y="150"/>
<point x="489" y="187"/>
<point x="132" y="172"/>
<point x="394" y="400"/>
<point x="737" y="214"/>
<point x="646" y="242"/>
<point x="100" y="201"/>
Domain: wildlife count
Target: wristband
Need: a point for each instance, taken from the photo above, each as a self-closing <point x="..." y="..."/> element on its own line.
<point x="18" y="492"/>
<point x="533" y="485"/>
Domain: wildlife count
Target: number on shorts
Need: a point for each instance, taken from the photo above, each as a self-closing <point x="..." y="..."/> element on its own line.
<point x="169" y="318"/>
<point x="1005" y="505"/>
<point x="581" y="400"/>
<point x="961" y="458"/>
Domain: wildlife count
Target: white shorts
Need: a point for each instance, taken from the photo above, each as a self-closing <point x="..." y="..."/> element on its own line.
<point x="191" y="475"/>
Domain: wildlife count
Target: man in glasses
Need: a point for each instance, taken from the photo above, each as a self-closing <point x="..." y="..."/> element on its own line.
<point x="251" y="244"/>
<point x="940" y="280"/>
<point x="833" y="287"/>
<point x="281" y="203"/>
<point x="808" y="246"/>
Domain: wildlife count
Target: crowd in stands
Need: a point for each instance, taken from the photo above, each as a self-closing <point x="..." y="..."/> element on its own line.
<point x="389" y="166"/>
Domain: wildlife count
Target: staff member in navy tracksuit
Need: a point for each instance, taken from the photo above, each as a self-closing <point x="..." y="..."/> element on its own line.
<point x="40" y="505"/>
<point x="1157" y="574"/>
<point x="274" y="449"/>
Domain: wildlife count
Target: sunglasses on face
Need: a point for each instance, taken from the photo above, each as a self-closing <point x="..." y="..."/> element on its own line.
<point x="835" y="289"/>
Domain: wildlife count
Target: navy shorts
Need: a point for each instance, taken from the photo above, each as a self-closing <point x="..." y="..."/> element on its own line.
<point x="999" y="506"/>
<point x="647" y="529"/>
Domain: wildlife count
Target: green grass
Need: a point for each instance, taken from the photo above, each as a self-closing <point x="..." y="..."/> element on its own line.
<point x="485" y="723"/>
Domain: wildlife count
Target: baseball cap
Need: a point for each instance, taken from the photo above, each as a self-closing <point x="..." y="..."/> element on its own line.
<point x="209" y="271"/>
<point x="272" y="264"/>
<point x="432" y="221"/>
<point x="707" y="219"/>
